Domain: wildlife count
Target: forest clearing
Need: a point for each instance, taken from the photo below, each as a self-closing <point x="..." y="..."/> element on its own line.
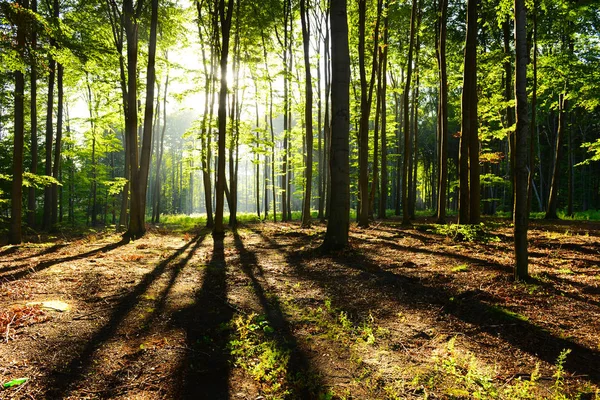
<point x="300" y="199"/>
<point x="404" y="312"/>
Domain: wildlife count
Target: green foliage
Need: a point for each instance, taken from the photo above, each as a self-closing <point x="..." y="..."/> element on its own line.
<point x="464" y="233"/>
<point x="256" y="351"/>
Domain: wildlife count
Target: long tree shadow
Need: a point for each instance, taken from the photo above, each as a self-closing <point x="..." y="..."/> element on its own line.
<point x="114" y="383"/>
<point x="516" y="331"/>
<point x="47" y="250"/>
<point x="204" y="372"/>
<point x="299" y="375"/>
<point x="62" y="380"/>
<point x="26" y="269"/>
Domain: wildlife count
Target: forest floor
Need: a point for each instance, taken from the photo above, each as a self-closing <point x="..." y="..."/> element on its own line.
<point x="406" y="312"/>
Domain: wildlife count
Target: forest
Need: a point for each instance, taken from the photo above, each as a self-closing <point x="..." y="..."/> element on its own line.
<point x="300" y="199"/>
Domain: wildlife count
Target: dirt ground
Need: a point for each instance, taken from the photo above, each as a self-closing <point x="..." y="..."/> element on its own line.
<point x="261" y="314"/>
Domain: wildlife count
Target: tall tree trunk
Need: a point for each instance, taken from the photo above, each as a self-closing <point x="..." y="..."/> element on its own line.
<point x="383" y="196"/>
<point x="136" y="217"/>
<point x="47" y="217"/>
<point x="407" y="150"/>
<point x="508" y="96"/>
<point x="31" y="201"/>
<point x="57" y="145"/>
<point x="16" y="208"/>
<point x="321" y="168"/>
<point x="366" y="96"/>
<point x="554" y="186"/>
<point x="469" y="144"/>
<point x="533" y="127"/>
<point x="413" y="191"/>
<point x="522" y="131"/>
<point x="160" y="154"/>
<point x="306" y="217"/>
<point x="146" y="155"/>
<point x="327" y="120"/>
<point x="442" y="116"/>
<point x="225" y="19"/>
<point x="338" y="225"/>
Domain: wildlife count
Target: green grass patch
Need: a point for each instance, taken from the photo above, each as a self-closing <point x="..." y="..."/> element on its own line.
<point x="461" y="268"/>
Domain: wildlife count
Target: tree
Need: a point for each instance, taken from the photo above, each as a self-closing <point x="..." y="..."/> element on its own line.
<point x="521" y="213"/>
<point x="338" y="224"/>
<point x="366" y="96"/>
<point x="225" y="16"/>
<point x="469" y="194"/>
<point x="14" y="233"/>
<point x="407" y="151"/>
<point x="306" y="217"/>
<point x="442" y="114"/>
<point x="31" y="198"/>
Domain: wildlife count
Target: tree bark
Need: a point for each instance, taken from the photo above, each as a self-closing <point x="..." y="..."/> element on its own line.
<point x="338" y="224"/>
<point x="554" y="186"/>
<point x="306" y="217"/>
<point x="31" y="200"/>
<point x="57" y="145"/>
<point x="148" y="114"/>
<point x="469" y="144"/>
<point x="383" y="195"/>
<point x="442" y="116"/>
<point x="16" y="208"/>
<point x="225" y="19"/>
<point x="407" y="150"/>
<point x="521" y="133"/>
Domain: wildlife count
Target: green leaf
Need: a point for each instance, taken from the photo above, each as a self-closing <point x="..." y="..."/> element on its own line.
<point x="15" y="382"/>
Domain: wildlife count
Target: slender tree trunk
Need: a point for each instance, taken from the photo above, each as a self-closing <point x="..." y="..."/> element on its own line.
<point x="442" y="116"/>
<point x="47" y="217"/>
<point x="57" y="145"/>
<point x="383" y="196"/>
<point x="407" y="149"/>
<point x="225" y="19"/>
<point x="533" y="127"/>
<point x="554" y="186"/>
<point x="136" y="217"/>
<point x="31" y="200"/>
<point x="146" y="155"/>
<point x="16" y="208"/>
<point x="306" y="217"/>
<point x="327" y="118"/>
<point x="508" y="96"/>
<point x="366" y="96"/>
<point x="469" y="145"/>
<point x="522" y="131"/>
<point x="338" y="225"/>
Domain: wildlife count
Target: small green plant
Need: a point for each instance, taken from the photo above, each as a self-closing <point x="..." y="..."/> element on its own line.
<point x="464" y="233"/>
<point x="461" y="268"/>
<point x="559" y="375"/>
<point x="254" y="350"/>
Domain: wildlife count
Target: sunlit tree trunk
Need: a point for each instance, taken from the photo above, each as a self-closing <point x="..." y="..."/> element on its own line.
<point x="551" y="212"/>
<point x="47" y="216"/>
<point x="407" y="150"/>
<point x="366" y="96"/>
<point x="306" y="217"/>
<point x="442" y="116"/>
<point x="57" y="144"/>
<point x="533" y="127"/>
<point x="338" y="224"/>
<point x="146" y="155"/>
<point x="383" y="196"/>
<point x="225" y="15"/>
<point x="521" y="133"/>
<point x="469" y="143"/>
<point x="31" y="200"/>
<point x="16" y="208"/>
